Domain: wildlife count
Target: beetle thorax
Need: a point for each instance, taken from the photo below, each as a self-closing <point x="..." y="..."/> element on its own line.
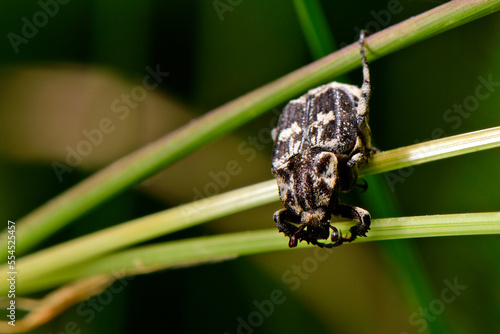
<point x="308" y="182"/>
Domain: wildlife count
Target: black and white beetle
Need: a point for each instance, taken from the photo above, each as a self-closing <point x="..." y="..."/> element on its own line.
<point x="320" y="141"/>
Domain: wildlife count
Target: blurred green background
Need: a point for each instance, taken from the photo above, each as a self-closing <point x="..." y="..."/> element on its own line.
<point x="64" y="78"/>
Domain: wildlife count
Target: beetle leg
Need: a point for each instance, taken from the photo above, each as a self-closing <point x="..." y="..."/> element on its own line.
<point x="363" y="186"/>
<point x="294" y="239"/>
<point x="282" y="218"/>
<point x="366" y="88"/>
<point x="374" y="150"/>
<point x="355" y="161"/>
<point x="354" y="213"/>
<point x="336" y="238"/>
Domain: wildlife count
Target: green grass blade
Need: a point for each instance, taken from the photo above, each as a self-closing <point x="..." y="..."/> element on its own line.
<point x="184" y="216"/>
<point x="433" y="150"/>
<point x="130" y="170"/>
<point x="404" y="260"/>
<point x="229" y="246"/>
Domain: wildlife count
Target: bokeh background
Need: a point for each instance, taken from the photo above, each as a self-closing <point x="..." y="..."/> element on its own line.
<point x="60" y="79"/>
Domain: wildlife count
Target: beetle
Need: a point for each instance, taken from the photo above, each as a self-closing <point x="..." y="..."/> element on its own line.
<point x="321" y="140"/>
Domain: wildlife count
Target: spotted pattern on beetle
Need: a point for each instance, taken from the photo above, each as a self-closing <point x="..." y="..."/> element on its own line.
<point x="321" y="140"/>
